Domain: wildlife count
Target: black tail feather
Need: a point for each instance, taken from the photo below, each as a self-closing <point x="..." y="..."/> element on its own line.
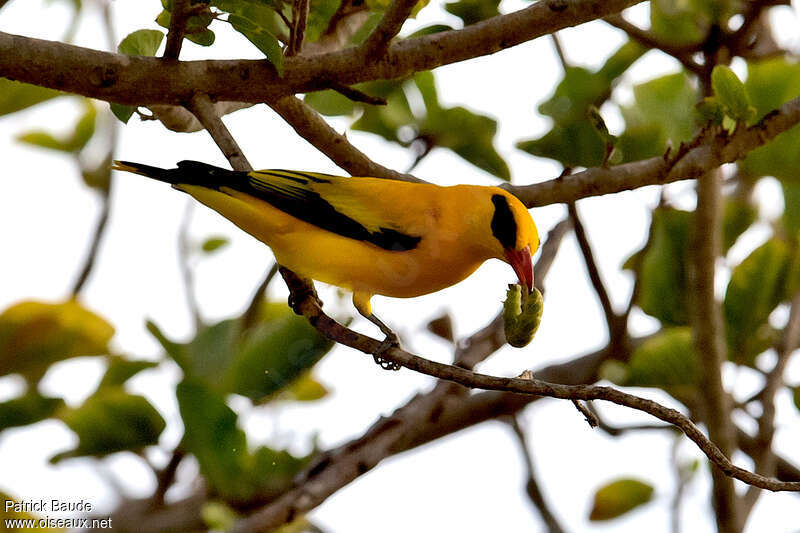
<point x="187" y="173"/>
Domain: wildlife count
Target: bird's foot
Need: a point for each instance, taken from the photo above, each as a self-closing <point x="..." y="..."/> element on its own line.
<point x="388" y="343"/>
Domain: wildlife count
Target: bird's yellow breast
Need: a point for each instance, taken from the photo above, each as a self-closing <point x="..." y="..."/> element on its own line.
<point x="444" y="256"/>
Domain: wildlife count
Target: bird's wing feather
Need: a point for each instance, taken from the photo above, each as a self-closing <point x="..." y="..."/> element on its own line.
<point x="340" y="205"/>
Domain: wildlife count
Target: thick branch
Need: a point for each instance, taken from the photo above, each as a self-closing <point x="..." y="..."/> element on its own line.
<point x="313" y="128"/>
<point x="697" y="161"/>
<point x="143" y="80"/>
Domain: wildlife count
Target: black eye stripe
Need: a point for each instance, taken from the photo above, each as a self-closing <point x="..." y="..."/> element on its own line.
<point x="504" y="226"/>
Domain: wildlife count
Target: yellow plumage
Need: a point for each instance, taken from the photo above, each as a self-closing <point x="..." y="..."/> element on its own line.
<point x="367" y="235"/>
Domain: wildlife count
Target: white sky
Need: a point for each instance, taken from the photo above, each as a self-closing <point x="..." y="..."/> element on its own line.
<point x="470" y="482"/>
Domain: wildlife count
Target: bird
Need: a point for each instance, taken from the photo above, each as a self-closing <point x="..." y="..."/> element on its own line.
<point x="364" y="234"/>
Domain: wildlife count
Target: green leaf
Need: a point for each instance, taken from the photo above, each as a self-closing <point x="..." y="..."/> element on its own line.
<point x="732" y="94"/>
<point x="319" y="16"/>
<point x="577" y="144"/>
<point x="261" y="38"/>
<point x="619" y="497"/>
<point x="306" y="389"/>
<point x="796" y="396"/>
<point x="667" y="360"/>
<point x="213" y="437"/>
<point x="678" y="22"/>
<point x="769" y="84"/>
<point x="202" y="38"/>
<point x="330" y="103"/>
<point x="791" y="207"/>
<point x="274" y="353"/>
<point x="121" y="370"/>
<point x="28" y="409"/>
<point x="472" y="11"/>
<point x="212" y="244"/>
<point x="12" y="509"/>
<point x="430" y="30"/>
<point x="33" y="335"/>
<point x="16" y="96"/>
<point x="219" y="516"/>
<point x="385" y="120"/>
<point x="196" y="27"/>
<point x="756" y="287"/>
<point x="468" y="134"/>
<point x="667" y="102"/>
<point x="579" y="89"/>
<point x="738" y="216"/>
<point x="81" y="134"/>
<point x="141" y="43"/>
<point x="111" y="420"/>
<point x="255" y="363"/>
<point x="123" y="112"/>
<point x="663" y="290"/>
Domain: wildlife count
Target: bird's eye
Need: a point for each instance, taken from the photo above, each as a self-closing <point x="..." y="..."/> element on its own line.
<point x="504" y="226"/>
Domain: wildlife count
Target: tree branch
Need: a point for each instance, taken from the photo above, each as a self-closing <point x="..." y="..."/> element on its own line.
<point x="378" y="41"/>
<point x="645" y="38"/>
<point x="177" y="28"/>
<point x="203" y="109"/>
<point x="143" y="81"/>
<point x="704" y="154"/>
<point x="616" y="329"/>
<point x="766" y="461"/>
<point x="298" y="27"/>
<point x="709" y="340"/>
<point x="312" y="127"/>
<point x="309" y="307"/>
<point x="531" y="486"/>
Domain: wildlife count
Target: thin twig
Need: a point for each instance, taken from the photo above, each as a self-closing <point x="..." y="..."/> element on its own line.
<point x="298" y="27"/>
<point x="378" y="42"/>
<point x="616" y="329"/>
<point x="703" y="154"/>
<point x="177" y="28"/>
<point x="105" y="192"/>
<point x="336" y="332"/>
<point x="588" y="415"/>
<point x="356" y="95"/>
<point x="203" y="109"/>
<point x="184" y="261"/>
<point x="251" y="314"/>
<point x="313" y="128"/>
<point x="562" y="58"/>
<point x="531" y="486"/>
<point x="647" y="39"/>
<point x="166" y="476"/>
<point x="765" y="461"/>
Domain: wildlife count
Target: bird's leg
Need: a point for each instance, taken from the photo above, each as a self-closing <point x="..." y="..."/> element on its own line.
<point x="389" y="342"/>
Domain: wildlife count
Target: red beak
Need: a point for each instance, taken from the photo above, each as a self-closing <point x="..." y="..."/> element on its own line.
<point x="521" y="262"/>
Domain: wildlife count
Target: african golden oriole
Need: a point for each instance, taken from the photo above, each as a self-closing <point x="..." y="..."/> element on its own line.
<point x="367" y="235"/>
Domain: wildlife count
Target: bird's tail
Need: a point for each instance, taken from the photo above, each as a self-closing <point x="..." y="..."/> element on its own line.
<point x="187" y="173"/>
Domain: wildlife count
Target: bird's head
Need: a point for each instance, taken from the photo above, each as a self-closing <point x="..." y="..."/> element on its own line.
<point x="514" y="234"/>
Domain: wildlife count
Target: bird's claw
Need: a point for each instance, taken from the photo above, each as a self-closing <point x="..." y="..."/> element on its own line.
<point x="388" y="343"/>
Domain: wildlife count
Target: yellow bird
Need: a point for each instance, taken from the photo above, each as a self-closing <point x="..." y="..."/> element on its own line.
<point x="367" y="235"/>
